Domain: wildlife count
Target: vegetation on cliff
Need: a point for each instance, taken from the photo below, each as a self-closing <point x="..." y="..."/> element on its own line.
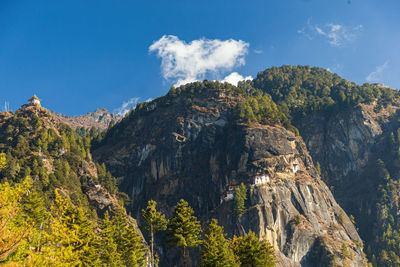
<point x="301" y="90"/>
<point x="45" y="215"/>
<point x="382" y="247"/>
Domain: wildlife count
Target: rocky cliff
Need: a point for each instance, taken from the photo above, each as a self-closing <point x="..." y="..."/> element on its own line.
<point x="100" y="119"/>
<point x="189" y="145"/>
<point x="348" y="145"/>
<point x="352" y="133"/>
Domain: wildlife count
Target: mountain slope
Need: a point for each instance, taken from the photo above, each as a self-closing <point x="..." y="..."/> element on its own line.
<point x="62" y="187"/>
<point x="197" y="142"/>
<point x="352" y="132"/>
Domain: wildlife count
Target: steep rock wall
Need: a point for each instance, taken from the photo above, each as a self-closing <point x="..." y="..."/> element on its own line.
<point x="196" y="151"/>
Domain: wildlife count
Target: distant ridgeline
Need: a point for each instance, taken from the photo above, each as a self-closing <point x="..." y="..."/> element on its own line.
<point x="251" y="106"/>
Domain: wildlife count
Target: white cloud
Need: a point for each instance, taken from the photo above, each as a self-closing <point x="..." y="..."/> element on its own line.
<point x="126" y="106"/>
<point x="336" y="34"/>
<point x="235" y="77"/>
<point x="258" y="51"/>
<point x="188" y="62"/>
<point x="376" y="75"/>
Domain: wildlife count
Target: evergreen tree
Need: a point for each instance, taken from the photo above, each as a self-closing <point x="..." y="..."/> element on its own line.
<point x="184" y="228"/>
<point x="13" y="226"/>
<point x="71" y="239"/>
<point x="240" y="198"/>
<point x="108" y="248"/>
<point x="155" y="221"/>
<point x="129" y="243"/>
<point x="253" y="252"/>
<point x="216" y="251"/>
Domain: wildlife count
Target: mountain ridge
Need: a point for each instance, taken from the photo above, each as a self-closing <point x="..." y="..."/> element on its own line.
<point x="100" y="119"/>
<point x="192" y="144"/>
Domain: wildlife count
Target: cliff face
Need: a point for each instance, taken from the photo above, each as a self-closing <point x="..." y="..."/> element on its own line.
<point x="190" y="147"/>
<point x="348" y="145"/>
<point x="343" y="142"/>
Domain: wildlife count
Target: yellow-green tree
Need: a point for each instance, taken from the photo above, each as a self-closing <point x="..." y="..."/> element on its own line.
<point x="13" y="226"/>
<point x="108" y="248"/>
<point x="3" y="161"/>
<point x="70" y="239"/>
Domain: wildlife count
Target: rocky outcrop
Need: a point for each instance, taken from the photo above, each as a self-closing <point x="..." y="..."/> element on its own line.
<point x="100" y="119"/>
<point x="343" y="141"/>
<point x="190" y="147"/>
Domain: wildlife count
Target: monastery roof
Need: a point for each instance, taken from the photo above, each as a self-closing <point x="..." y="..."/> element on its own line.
<point x="34" y="97"/>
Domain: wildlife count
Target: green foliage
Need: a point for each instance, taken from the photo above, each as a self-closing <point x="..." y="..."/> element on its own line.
<point x="216" y="250"/>
<point x="262" y="109"/>
<point x="318" y="168"/>
<point x="107" y="247"/>
<point x="3" y="161"/>
<point x="345" y="252"/>
<point x="184" y="228"/>
<point x="155" y="222"/>
<point x="106" y="179"/>
<point x="70" y="239"/>
<point x="303" y="90"/>
<point x="253" y="252"/>
<point x="65" y="235"/>
<point x="239" y="199"/>
<point x="14" y="226"/>
<point x="383" y="250"/>
<point x="129" y="243"/>
<point x="341" y="217"/>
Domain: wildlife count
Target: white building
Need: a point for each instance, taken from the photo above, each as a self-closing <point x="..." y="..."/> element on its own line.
<point x="34" y="101"/>
<point x="230" y="193"/>
<point x="261" y="179"/>
<point x="229" y="196"/>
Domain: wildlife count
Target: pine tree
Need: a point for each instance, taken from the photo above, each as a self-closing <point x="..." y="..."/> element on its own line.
<point x="253" y="252"/>
<point x="240" y="198"/>
<point x="13" y="226"/>
<point x="129" y="243"/>
<point x="155" y="221"/>
<point x="108" y="248"/>
<point x="216" y="251"/>
<point x="184" y="228"/>
<point x="71" y="239"/>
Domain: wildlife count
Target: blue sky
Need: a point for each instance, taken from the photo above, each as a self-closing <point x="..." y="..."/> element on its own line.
<point x="79" y="55"/>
